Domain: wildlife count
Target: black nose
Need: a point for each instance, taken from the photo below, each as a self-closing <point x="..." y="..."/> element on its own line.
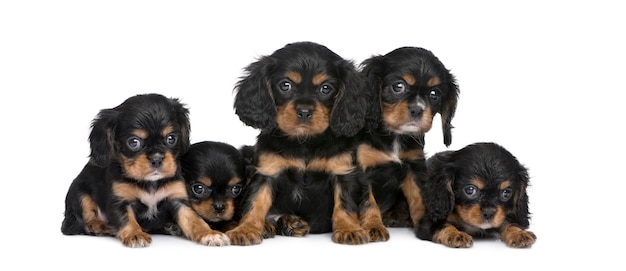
<point x="415" y="110"/>
<point x="488" y="213"/>
<point x="219" y="207"/>
<point x="156" y="160"/>
<point x="304" y="114"/>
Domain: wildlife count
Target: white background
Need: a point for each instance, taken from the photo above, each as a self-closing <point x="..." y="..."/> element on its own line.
<point x="542" y="78"/>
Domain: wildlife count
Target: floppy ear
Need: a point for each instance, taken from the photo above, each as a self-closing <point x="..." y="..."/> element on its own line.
<point x="438" y="192"/>
<point x="449" y="107"/>
<point x="372" y="68"/>
<point x="102" y="136"/>
<point x="348" y="113"/>
<point x="182" y="118"/>
<point x="520" y="200"/>
<point x="254" y="103"/>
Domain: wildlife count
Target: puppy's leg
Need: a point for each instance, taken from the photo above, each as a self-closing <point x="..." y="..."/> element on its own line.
<point x="251" y="227"/>
<point x="95" y="222"/>
<point x="290" y="225"/>
<point x="450" y="236"/>
<point x="413" y="197"/>
<point x="196" y="229"/>
<point x="131" y="233"/>
<point x="371" y="219"/>
<point x="514" y="236"/>
<point x="346" y="225"/>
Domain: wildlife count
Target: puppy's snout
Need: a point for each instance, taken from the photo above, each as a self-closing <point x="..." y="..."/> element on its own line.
<point x="488" y="213"/>
<point x="156" y="160"/>
<point x="219" y="207"/>
<point x="415" y="110"/>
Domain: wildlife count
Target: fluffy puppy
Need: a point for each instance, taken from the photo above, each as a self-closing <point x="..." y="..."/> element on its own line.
<point x="411" y="86"/>
<point x="477" y="191"/>
<point x="308" y="104"/>
<point x="132" y="185"/>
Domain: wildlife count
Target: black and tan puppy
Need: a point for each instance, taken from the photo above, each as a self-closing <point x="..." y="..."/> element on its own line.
<point x="132" y="185"/>
<point x="308" y="104"/>
<point x="411" y="86"/>
<point x="478" y="191"/>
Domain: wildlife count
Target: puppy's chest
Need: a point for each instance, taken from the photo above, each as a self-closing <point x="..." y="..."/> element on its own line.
<point x="270" y="164"/>
<point x="369" y="156"/>
<point x="149" y="196"/>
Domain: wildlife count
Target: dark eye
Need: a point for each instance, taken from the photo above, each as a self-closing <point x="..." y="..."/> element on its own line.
<point x="326" y="89"/>
<point x="506" y="194"/>
<point x="200" y="190"/>
<point x="235" y="190"/>
<point x="171" y="139"/>
<point x="435" y="95"/>
<point x="284" y="86"/>
<point x="134" y="143"/>
<point x="398" y="87"/>
<point x="471" y="191"/>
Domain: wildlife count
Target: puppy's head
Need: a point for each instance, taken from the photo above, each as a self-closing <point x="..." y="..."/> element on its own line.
<point x="145" y="135"/>
<point x="302" y="89"/>
<point x="413" y="86"/>
<point x="215" y="173"/>
<point x="485" y="184"/>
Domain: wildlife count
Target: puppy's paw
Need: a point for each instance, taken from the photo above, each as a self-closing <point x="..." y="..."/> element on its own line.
<point x="245" y="236"/>
<point x="135" y="238"/>
<point x="99" y="228"/>
<point x="351" y="237"/>
<point x="269" y="230"/>
<point x="378" y="233"/>
<point x="292" y="225"/>
<point x="518" y="238"/>
<point x="215" y="238"/>
<point x="451" y="237"/>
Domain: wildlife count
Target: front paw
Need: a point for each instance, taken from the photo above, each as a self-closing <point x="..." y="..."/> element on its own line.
<point x="292" y="225"/>
<point x="351" y="237"/>
<point x="215" y="238"/>
<point x="378" y="233"/>
<point x="269" y="230"/>
<point x="519" y="238"/>
<point x="245" y="236"/>
<point x="135" y="239"/>
<point x="451" y="237"/>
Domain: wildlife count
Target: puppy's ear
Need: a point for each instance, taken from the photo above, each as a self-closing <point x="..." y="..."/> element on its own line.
<point x="449" y="107"/>
<point x="102" y="136"/>
<point x="182" y="118"/>
<point x="373" y="68"/>
<point x="520" y="198"/>
<point x="348" y="113"/>
<point x="438" y="192"/>
<point x="254" y="103"/>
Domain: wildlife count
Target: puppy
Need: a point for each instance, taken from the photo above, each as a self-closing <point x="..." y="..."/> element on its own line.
<point x="132" y="185"/>
<point x="411" y="86"/>
<point x="307" y="103"/>
<point x="477" y="191"/>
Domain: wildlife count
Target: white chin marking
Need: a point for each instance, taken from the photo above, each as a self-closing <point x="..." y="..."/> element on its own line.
<point x="154" y="176"/>
<point x="408" y="128"/>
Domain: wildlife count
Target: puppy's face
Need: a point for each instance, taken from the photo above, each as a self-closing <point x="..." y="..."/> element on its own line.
<point x="413" y="86"/>
<point x="215" y="176"/>
<point x="489" y="186"/>
<point x="302" y="89"/>
<point x="145" y="135"/>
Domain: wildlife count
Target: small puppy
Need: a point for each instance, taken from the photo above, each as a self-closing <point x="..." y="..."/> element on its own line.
<point x="411" y="86"/>
<point x="132" y="185"/>
<point x="477" y="191"/>
<point x="308" y="104"/>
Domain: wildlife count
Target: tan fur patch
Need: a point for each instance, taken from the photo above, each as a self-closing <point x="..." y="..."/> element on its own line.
<point x="412" y="155"/>
<point x="368" y="156"/>
<point x="205" y="180"/>
<point x="288" y="121"/>
<point x="295" y="77"/>
<point x="414" y="198"/>
<point x="205" y="210"/>
<point x="340" y="164"/>
<point x="319" y="78"/>
<point x="433" y="81"/>
<point x="167" y="130"/>
<point x="139" y="168"/>
<point x="130" y="192"/>
<point x="409" y="79"/>
<point x="271" y="164"/>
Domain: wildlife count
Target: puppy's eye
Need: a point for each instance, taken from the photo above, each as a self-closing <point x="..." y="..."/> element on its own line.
<point x="435" y="95"/>
<point x="171" y="139"/>
<point x="506" y="194"/>
<point x="326" y="89"/>
<point x="235" y="190"/>
<point x="398" y="87"/>
<point x="200" y="190"/>
<point x="284" y="86"/>
<point x="134" y="143"/>
<point x="471" y="191"/>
